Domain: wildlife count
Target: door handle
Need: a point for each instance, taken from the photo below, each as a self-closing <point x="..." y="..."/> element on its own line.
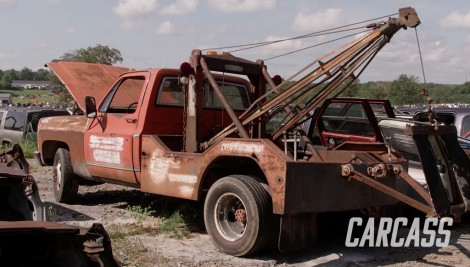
<point x="131" y="120"/>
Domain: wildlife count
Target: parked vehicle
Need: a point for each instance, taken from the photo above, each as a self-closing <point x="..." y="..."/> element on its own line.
<point x="460" y="117"/>
<point x="199" y="133"/>
<point x="21" y="124"/>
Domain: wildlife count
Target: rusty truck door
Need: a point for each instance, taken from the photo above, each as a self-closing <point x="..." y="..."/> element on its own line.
<point x="112" y="139"/>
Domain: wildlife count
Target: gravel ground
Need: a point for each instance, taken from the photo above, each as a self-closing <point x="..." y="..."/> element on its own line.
<point x="137" y="241"/>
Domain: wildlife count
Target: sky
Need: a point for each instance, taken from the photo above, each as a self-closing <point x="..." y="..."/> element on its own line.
<point x="162" y="33"/>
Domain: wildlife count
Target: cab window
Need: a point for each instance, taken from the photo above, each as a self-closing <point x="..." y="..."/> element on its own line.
<point x="124" y="97"/>
<point x="236" y="95"/>
<point x="170" y="94"/>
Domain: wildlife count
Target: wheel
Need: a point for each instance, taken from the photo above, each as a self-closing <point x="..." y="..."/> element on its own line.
<point x="65" y="181"/>
<point x="237" y="215"/>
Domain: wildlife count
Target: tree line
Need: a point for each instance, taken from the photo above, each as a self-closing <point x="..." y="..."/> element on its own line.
<point x="25" y="74"/>
<point x="404" y="90"/>
<point x="102" y="54"/>
<point x="407" y="90"/>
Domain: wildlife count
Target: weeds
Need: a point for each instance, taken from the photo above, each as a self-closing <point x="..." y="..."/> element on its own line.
<point x="129" y="250"/>
<point x="29" y="147"/>
<point x="119" y="232"/>
<point x="175" y="226"/>
<point x="140" y="213"/>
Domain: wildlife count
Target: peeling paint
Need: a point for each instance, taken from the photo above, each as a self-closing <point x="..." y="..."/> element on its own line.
<point x="166" y="170"/>
<point x="107" y="149"/>
<point x="182" y="178"/>
<point x="108" y="143"/>
<point x="159" y="166"/>
<point x="242" y="147"/>
<point x="186" y="190"/>
<point x="107" y="156"/>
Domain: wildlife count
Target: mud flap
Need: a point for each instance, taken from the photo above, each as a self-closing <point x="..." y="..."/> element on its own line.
<point x="439" y="146"/>
<point x="436" y="187"/>
<point x="297" y="231"/>
<point x="460" y="165"/>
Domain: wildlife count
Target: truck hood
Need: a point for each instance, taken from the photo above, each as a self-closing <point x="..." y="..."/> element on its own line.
<point x="86" y="79"/>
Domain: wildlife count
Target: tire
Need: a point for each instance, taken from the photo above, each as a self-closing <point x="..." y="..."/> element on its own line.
<point x="243" y="197"/>
<point x="65" y="182"/>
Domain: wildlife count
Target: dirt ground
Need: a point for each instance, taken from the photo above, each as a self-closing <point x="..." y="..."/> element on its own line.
<point x="137" y="241"/>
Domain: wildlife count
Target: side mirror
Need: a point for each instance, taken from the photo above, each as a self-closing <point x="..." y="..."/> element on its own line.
<point x="90" y="107"/>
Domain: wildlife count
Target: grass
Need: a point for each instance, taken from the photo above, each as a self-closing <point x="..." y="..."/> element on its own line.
<point x="127" y="248"/>
<point x="36" y="93"/>
<point x="28" y="148"/>
<point x="139" y="213"/>
<point x="175" y="226"/>
<point x="19" y="92"/>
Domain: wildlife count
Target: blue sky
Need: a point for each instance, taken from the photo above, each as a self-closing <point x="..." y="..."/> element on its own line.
<point x="161" y="33"/>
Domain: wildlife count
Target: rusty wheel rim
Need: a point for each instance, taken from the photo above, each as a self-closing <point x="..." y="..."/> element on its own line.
<point x="230" y="216"/>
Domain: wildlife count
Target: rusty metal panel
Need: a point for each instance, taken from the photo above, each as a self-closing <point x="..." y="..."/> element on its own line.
<point x="180" y="174"/>
<point x="319" y="187"/>
<point x="86" y="79"/>
<point x="51" y="131"/>
<point x="169" y="173"/>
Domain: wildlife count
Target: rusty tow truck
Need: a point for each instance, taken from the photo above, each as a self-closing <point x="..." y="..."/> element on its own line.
<point x="199" y="133"/>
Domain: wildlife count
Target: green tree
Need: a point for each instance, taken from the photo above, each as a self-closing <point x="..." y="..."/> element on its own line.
<point x="41" y="75"/>
<point x="405" y="90"/>
<point x="7" y="78"/>
<point x="350" y="91"/>
<point x="102" y="54"/>
<point x="374" y="90"/>
<point x="26" y="74"/>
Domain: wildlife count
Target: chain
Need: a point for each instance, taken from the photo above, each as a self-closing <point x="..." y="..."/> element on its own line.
<point x="424" y="91"/>
<point x="185" y="114"/>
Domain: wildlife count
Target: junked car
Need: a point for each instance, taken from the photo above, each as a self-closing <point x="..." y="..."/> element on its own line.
<point x="21" y="124"/>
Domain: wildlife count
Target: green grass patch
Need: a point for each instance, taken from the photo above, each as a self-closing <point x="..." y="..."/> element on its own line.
<point x="17" y="92"/>
<point x="35" y="94"/>
<point x="139" y="213"/>
<point x="28" y="148"/>
<point x="175" y="226"/>
<point x="120" y="232"/>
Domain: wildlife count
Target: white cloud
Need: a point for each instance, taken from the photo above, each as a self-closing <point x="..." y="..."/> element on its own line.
<point x="436" y="52"/>
<point x="7" y="4"/>
<point x="131" y="11"/>
<point x="322" y="20"/>
<point x="180" y="7"/>
<point x="284" y="45"/>
<point x="456" y="20"/>
<point x="242" y="5"/>
<point x="165" y="28"/>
